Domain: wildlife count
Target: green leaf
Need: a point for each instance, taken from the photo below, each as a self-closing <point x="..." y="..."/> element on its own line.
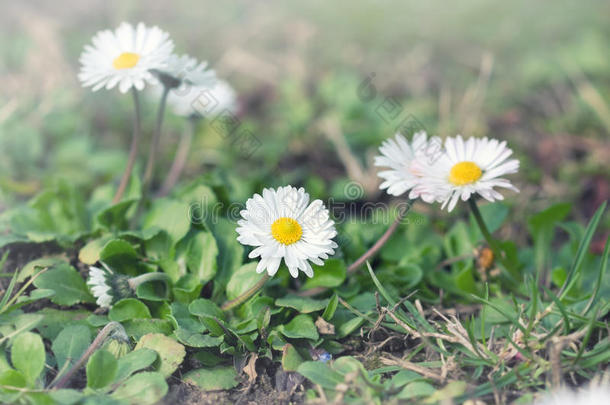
<point x="301" y="326"/>
<point x="291" y="359"/>
<point x="404" y="377"/>
<point x="70" y="344"/>
<point x="101" y="369"/>
<point x="304" y="305"/>
<point x="68" y="285"/>
<point x="134" y="361"/>
<point x="320" y="373"/>
<point x="137" y="328"/>
<point x="464" y="280"/>
<point x="187" y="289"/>
<point x="120" y="255"/>
<point x="230" y="254"/>
<point x="128" y="308"/>
<point x="182" y="318"/>
<point x="170" y="215"/>
<point x="153" y="290"/>
<point x="331" y="274"/>
<point x="202" y="253"/>
<point x="115" y="216"/>
<point x="197" y="339"/>
<point x="493" y="214"/>
<point x="142" y="389"/>
<point x="242" y="280"/>
<point x="451" y="390"/>
<point x="90" y="253"/>
<point x="408" y="274"/>
<point x="205" y="308"/>
<point x="58" y="213"/>
<point x="66" y="396"/>
<point x="11" y="378"/>
<point x="329" y="312"/>
<point x="28" y="356"/>
<point x="210" y="315"/>
<point x="416" y="389"/>
<point x="213" y="379"/>
<point x="54" y="321"/>
<point x="33" y="267"/>
<point x="541" y="226"/>
<point x="171" y="353"/>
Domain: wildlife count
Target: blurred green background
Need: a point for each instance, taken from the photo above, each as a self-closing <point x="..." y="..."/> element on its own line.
<point x="536" y="74"/>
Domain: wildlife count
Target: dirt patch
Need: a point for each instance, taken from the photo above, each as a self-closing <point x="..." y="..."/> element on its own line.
<point x="271" y="387"/>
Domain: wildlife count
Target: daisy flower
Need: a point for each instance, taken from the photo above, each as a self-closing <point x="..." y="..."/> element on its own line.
<point x="283" y="224"/>
<point x="465" y="168"/>
<point x="399" y="156"/>
<point x="109" y="287"/>
<point x="102" y="282"/>
<point x="125" y="57"/>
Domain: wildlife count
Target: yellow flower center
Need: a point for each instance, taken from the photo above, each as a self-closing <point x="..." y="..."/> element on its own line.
<point x="464" y="173"/>
<point x="126" y="60"/>
<point x="286" y="231"/>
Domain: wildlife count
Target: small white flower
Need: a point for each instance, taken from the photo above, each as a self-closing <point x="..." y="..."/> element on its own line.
<point x="465" y="168"/>
<point x="125" y="57"/>
<point x="202" y="100"/>
<point x="283" y="224"/>
<point x="99" y="283"/>
<point x="399" y="156"/>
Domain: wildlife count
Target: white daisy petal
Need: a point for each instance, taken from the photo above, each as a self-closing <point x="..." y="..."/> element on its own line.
<point x="283" y="225"/>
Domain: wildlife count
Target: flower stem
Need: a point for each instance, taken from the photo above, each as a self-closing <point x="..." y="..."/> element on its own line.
<point x="144" y="278"/>
<point x="154" y="145"/>
<point x="491" y="241"/>
<point x="97" y="342"/>
<point x="133" y="152"/>
<point x="244" y="297"/>
<point x="180" y="158"/>
<point x="379" y="244"/>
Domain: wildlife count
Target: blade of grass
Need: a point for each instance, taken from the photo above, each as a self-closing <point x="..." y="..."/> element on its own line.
<point x="600" y="277"/>
<point x="382" y="290"/>
<point x="586" y="338"/>
<point x="482" y="315"/>
<point x="485" y="389"/>
<point x="386" y="295"/>
<point x="534" y="309"/>
<point x="511" y="319"/>
<point x="475" y="344"/>
<point x="25" y="287"/>
<point x="580" y="254"/>
<point x="8" y="292"/>
<point x="601" y="356"/>
<point x="561" y="307"/>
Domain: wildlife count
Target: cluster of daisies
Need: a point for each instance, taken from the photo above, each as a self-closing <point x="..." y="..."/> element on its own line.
<point x="135" y="57"/>
<point x="283" y="225"/>
<point x="445" y="172"/>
